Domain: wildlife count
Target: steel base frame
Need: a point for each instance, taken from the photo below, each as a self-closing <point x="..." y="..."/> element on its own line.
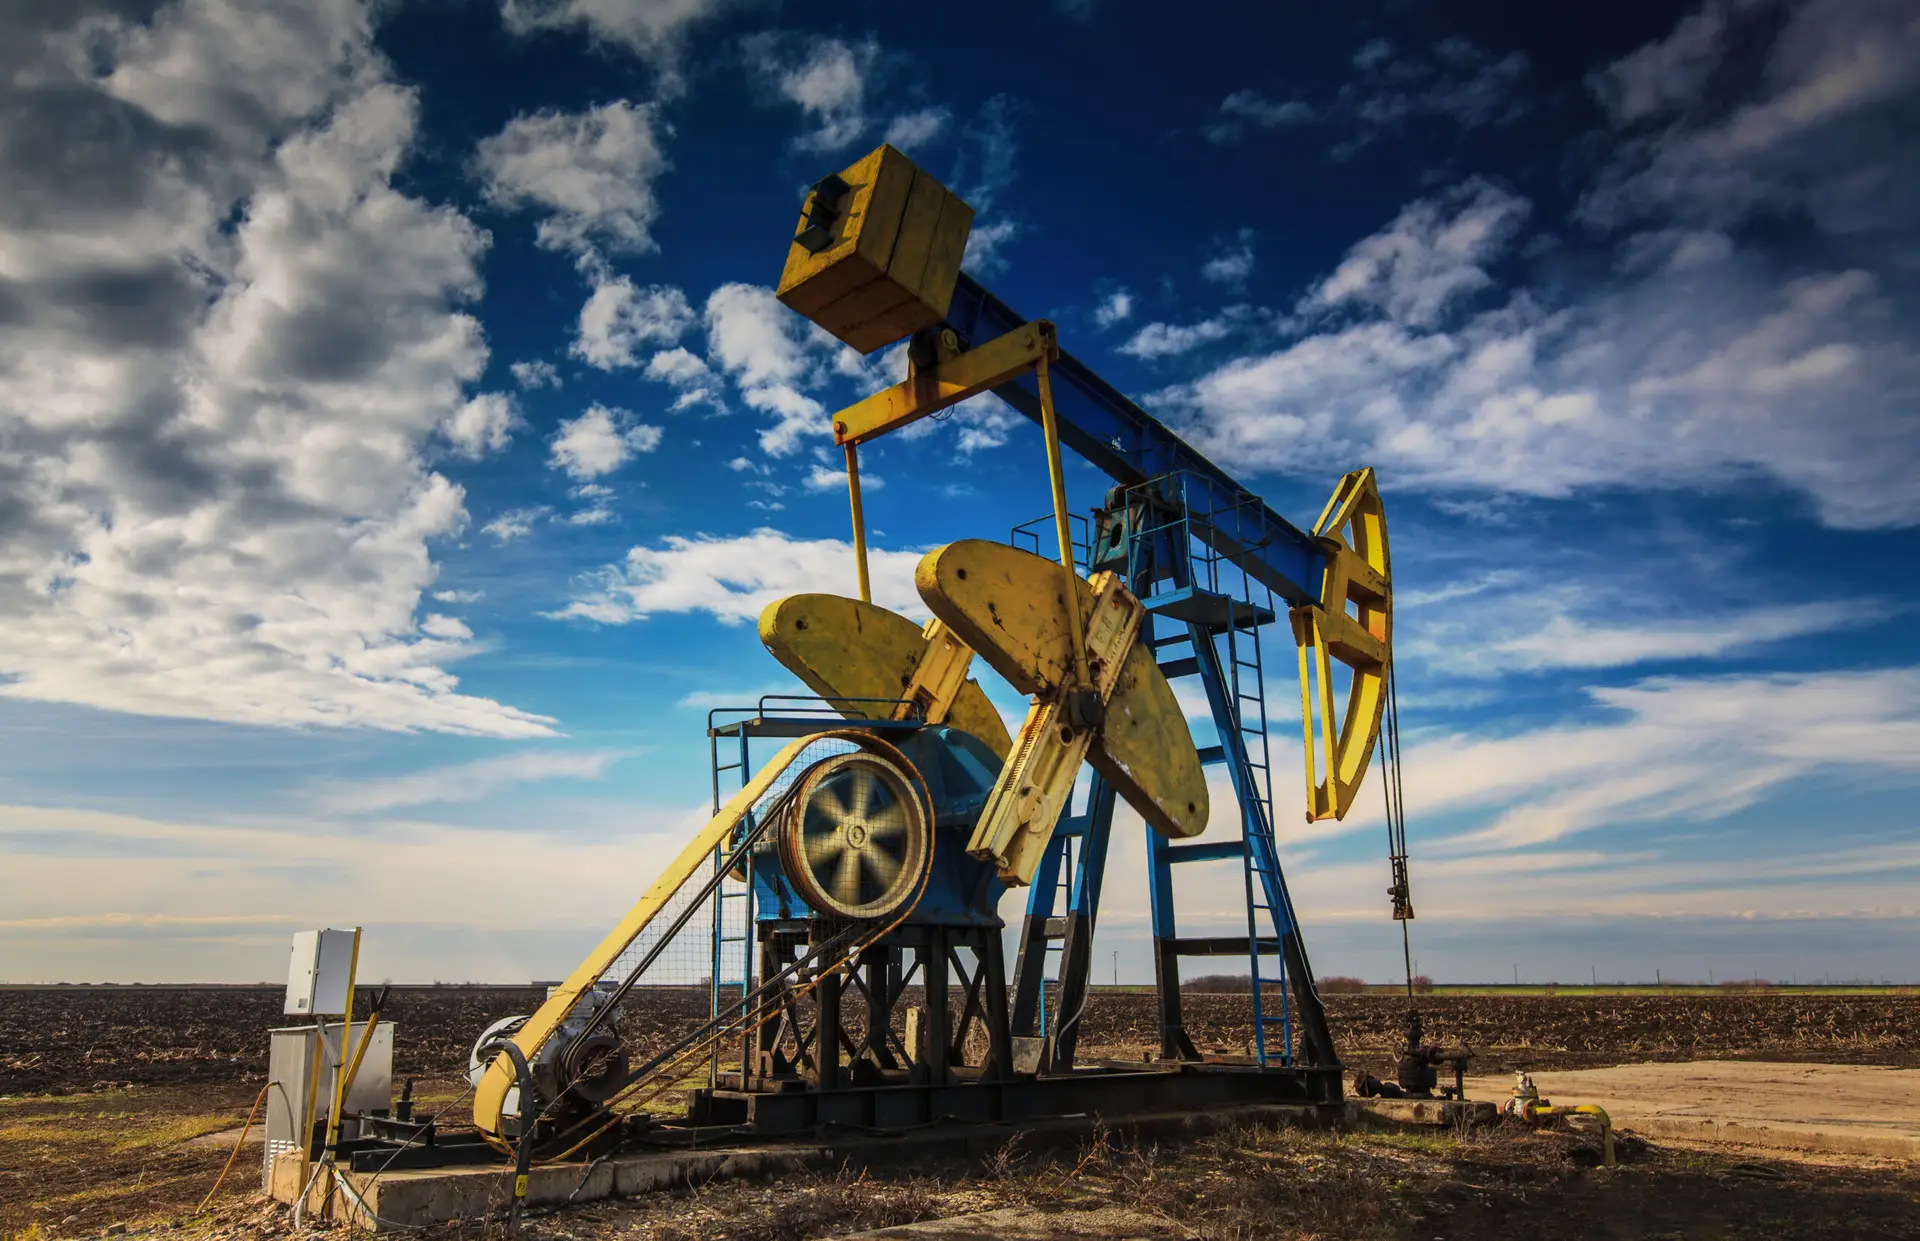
<point x="1107" y="1093"/>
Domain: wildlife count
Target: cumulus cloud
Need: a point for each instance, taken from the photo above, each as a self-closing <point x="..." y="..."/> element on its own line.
<point x="1165" y="340"/>
<point x="589" y="174"/>
<point x="1233" y="264"/>
<point x="1705" y="354"/>
<point x="230" y="339"/>
<point x="733" y="579"/>
<point x="913" y="129"/>
<point x="1815" y="125"/>
<point x="514" y="523"/>
<point x="654" y="30"/>
<point x="982" y="175"/>
<point x="1433" y="254"/>
<point x="774" y="356"/>
<point x="826" y="478"/>
<point x="1697" y="748"/>
<point x="839" y="87"/>
<point x="677" y="366"/>
<point x="1114" y="308"/>
<point x="534" y="375"/>
<point x="481" y="425"/>
<point x="1251" y="107"/>
<point x="824" y="76"/>
<point x="599" y="441"/>
<point x="620" y="318"/>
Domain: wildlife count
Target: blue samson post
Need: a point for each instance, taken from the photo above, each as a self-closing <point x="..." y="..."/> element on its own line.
<point x="1106" y="428"/>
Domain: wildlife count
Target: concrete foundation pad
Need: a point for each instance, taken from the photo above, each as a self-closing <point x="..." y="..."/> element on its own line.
<point x="1846" y="1109"/>
<point x="433" y="1196"/>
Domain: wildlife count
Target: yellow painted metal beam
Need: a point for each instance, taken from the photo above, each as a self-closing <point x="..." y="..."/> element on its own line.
<point x="490" y="1096"/>
<point x="846" y="650"/>
<point x="1018" y="819"/>
<point x="1009" y="606"/>
<point x="934" y="388"/>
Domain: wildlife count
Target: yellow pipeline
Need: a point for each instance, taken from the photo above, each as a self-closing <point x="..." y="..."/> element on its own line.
<point x="1586" y="1109"/>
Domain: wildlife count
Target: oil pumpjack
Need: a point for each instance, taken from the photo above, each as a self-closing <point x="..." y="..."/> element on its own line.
<point x="864" y="861"/>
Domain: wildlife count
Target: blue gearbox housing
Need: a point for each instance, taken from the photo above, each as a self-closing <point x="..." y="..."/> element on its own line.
<point x="959" y="771"/>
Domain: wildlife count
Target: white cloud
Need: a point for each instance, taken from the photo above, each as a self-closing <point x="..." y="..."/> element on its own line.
<point x="460" y="782"/>
<point x="733" y="579"/>
<point x="982" y="175"/>
<point x="1454" y="80"/>
<point x="1165" y="340"/>
<point x="1748" y="110"/>
<point x="1232" y="265"/>
<point x="677" y="366"/>
<point x="532" y="375"/>
<point x="826" y="478"/>
<point x="1565" y="642"/>
<point x="146" y="875"/>
<point x="459" y="596"/>
<point x="913" y="129"/>
<point x="231" y="340"/>
<point x="589" y="173"/>
<point x="1114" y="308"/>
<point x="514" y="523"/>
<point x="690" y="375"/>
<point x="826" y="77"/>
<point x="773" y="355"/>
<point x="985" y="243"/>
<point x="620" y="318"/>
<point x="1694" y="363"/>
<point x="1251" y="106"/>
<point x="482" y="425"/>
<point x="1432" y="255"/>
<point x="599" y="441"/>
<point x="1696" y="748"/>
<point x="654" y="30"/>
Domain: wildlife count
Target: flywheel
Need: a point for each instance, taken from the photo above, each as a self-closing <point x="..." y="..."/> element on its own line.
<point x="856" y="840"/>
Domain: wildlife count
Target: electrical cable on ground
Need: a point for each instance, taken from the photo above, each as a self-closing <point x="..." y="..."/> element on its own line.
<point x="237" y="1144"/>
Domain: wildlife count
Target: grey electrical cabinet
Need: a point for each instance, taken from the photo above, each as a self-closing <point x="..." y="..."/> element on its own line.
<point x="290" y="1076"/>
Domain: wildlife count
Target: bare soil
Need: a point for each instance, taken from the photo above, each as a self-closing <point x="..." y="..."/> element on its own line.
<point x="103" y="1091"/>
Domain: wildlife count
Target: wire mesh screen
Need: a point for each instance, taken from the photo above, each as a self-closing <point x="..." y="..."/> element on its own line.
<point x="693" y="961"/>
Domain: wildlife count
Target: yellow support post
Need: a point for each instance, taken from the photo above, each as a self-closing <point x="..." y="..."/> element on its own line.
<point x="1063" y="531"/>
<point x="859" y="523"/>
<point x="340" y="1061"/>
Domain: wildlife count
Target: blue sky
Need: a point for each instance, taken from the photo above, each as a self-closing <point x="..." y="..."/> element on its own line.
<point x="400" y="437"/>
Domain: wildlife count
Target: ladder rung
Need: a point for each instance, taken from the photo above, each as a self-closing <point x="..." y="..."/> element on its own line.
<point x="1221" y="946"/>
<point x="1211" y="851"/>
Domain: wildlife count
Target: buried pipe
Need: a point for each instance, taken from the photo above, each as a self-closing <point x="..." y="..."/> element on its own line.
<point x="1526" y="1104"/>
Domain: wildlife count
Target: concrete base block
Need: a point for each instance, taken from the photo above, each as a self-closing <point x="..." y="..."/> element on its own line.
<point x="434" y="1196"/>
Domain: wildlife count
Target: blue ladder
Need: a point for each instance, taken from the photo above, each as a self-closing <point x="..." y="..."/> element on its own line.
<point x="1240" y="719"/>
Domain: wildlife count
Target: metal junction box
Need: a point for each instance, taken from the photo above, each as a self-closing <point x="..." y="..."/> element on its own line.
<point x="290" y="1068"/>
<point x="877" y="252"/>
<point x="320" y="973"/>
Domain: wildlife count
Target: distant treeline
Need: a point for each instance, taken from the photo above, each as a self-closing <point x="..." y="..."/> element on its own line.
<point x="1242" y="984"/>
